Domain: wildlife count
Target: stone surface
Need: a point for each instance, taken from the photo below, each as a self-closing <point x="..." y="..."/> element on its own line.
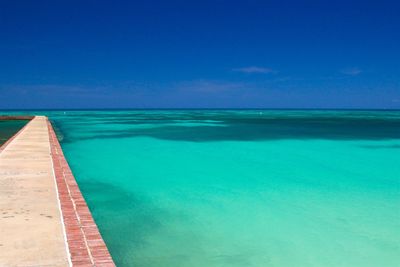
<point x="31" y="229"/>
<point x="44" y="219"/>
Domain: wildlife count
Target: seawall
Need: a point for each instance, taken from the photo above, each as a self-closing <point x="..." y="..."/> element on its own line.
<point x="44" y="219"/>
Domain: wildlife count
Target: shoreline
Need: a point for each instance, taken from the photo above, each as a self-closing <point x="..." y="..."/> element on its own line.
<point x="84" y="240"/>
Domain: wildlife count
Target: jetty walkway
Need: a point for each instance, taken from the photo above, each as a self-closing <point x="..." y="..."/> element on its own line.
<point x="44" y="220"/>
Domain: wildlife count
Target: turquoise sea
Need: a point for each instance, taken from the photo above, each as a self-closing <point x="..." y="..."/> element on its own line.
<point x="196" y="188"/>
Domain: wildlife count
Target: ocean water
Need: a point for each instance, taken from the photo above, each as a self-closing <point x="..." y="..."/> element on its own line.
<point x="8" y="128"/>
<point x="240" y="187"/>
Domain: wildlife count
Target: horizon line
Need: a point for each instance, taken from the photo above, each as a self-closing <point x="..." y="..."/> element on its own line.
<point x="76" y="109"/>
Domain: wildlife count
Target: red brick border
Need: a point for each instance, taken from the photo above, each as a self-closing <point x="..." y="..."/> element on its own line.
<point x="3" y="146"/>
<point x="86" y="246"/>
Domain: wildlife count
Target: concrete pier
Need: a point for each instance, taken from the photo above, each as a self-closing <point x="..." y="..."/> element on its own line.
<point x="44" y="220"/>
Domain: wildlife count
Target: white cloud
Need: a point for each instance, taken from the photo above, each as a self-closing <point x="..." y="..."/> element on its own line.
<point x="254" y="69"/>
<point x="207" y="86"/>
<point x="351" y="71"/>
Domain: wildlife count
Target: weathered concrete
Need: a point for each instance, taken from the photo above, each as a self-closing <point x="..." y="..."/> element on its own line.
<point x="31" y="226"/>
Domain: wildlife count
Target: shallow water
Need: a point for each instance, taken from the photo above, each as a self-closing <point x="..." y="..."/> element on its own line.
<point x="8" y="128"/>
<point x="240" y="188"/>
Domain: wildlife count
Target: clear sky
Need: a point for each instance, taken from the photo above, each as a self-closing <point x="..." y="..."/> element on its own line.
<point x="199" y="54"/>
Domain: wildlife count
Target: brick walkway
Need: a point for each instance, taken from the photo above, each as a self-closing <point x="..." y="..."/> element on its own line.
<point x="35" y="185"/>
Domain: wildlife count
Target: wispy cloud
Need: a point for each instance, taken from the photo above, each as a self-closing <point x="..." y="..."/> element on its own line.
<point x="207" y="86"/>
<point x="351" y="71"/>
<point x="254" y="69"/>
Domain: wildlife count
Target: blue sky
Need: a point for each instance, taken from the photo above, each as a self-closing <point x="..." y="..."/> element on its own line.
<point x="199" y="54"/>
